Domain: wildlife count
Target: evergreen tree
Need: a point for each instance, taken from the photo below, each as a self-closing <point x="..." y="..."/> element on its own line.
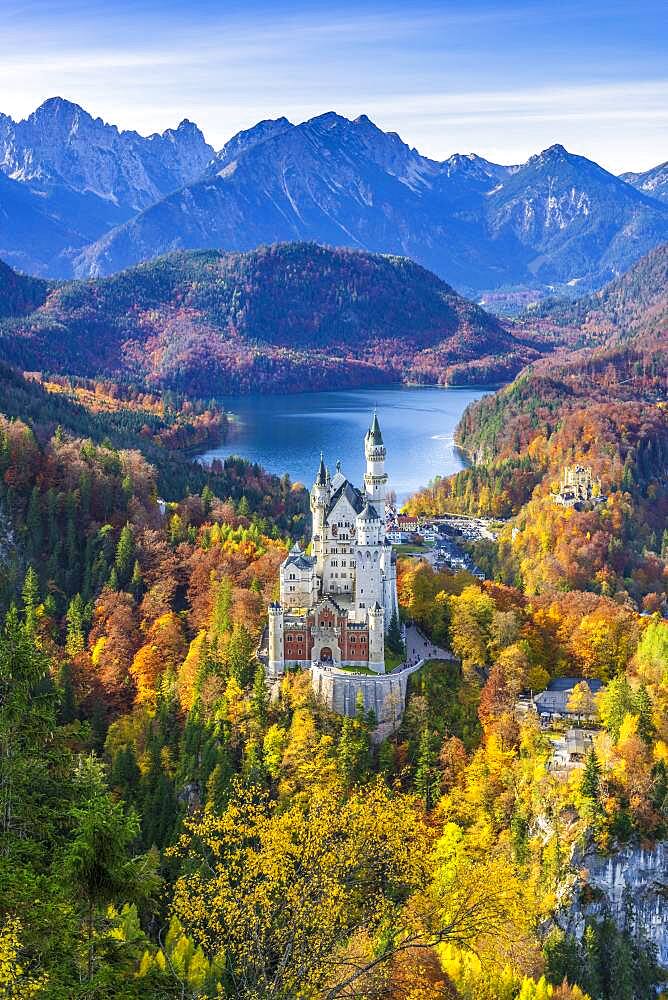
<point x="220" y="617"/>
<point x="253" y="769"/>
<point x="76" y="615"/>
<point x="137" y="581"/>
<point x="34" y="523"/>
<point x="98" y="861"/>
<point x="67" y="709"/>
<point x="260" y="697"/>
<point x="394" y="640"/>
<point x="240" y="655"/>
<point x="30" y="595"/>
<point x="386" y="759"/>
<point x="125" y="555"/>
<point x="219" y="781"/>
<point x="125" y="774"/>
<point x="590" y="784"/>
<point x="644" y="710"/>
<point x="207" y="499"/>
<point x="426" y="772"/>
<point x="352" y="752"/>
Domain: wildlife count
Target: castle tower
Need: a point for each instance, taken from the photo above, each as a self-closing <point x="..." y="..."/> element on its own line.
<point x="377" y="639"/>
<point x="321" y="492"/>
<point x="375" y="477"/>
<point x="368" y="561"/>
<point x="276" y="656"/>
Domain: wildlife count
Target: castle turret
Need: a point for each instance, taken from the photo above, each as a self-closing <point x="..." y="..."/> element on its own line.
<point x="375" y="477"/>
<point x="321" y="493"/>
<point x="368" y="561"/>
<point x="276" y="665"/>
<point x="299" y="583"/>
<point x="377" y="639"/>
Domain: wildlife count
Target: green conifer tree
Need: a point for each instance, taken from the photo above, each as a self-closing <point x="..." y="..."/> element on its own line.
<point x="125" y="555"/>
<point x="30" y="595"/>
<point x="426" y="772"/>
<point x="260" y="697"/>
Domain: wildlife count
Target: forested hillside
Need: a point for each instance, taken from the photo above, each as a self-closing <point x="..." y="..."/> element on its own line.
<point x="605" y="408"/>
<point x="168" y="831"/>
<point x="634" y="304"/>
<point x="19" y="293"/>
<point x="282" y="318"/>
<point x="171" y="829"/>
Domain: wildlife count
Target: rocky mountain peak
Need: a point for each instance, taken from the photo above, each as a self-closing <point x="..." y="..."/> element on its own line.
<point x="246" y="139"/>
<point x="553" y="154"/>
<point x="61" y="144"/>
<point x="57" y="113"/>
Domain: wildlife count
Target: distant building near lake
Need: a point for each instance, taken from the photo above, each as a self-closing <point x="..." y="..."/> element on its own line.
<point x="578" y="488"/>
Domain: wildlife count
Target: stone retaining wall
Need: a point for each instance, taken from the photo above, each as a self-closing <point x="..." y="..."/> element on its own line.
<point x="384" y="693"/>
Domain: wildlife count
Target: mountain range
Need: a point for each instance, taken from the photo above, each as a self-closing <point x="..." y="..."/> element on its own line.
<point x="80" y="198"/>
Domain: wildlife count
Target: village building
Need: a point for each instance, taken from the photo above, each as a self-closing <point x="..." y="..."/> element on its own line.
<point x="570" y="750"/>
<point x="560" y="701"/>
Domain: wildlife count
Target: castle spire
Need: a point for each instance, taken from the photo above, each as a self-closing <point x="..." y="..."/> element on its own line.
<point x="374" y="434"/>
<point x="321" y="477"/>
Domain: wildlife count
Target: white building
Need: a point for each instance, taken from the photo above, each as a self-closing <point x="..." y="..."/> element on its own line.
<point x="336" y="603"/>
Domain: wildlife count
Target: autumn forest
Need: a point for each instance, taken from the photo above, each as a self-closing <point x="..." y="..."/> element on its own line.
<point x="170" y="827"/>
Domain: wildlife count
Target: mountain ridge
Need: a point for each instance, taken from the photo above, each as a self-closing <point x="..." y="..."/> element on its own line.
<point x="116" y="198"/>
<point x="633" y="305"/>
<point x="280" y="318"/>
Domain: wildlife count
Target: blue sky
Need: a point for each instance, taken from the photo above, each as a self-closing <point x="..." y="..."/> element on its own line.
<point x="501" y="79"/>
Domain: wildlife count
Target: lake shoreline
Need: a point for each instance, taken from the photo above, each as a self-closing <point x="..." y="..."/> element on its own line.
<point x="285" y="433"/>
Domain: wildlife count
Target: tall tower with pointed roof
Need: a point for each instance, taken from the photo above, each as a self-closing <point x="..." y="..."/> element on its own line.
<point x="375" y="477"/>
<point x="321" y="493"/>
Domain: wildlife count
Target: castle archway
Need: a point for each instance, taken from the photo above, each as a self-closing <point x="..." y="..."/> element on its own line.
<point x="326" y="651"/>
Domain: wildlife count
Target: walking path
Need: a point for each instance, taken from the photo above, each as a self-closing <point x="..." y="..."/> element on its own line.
<point x="418" y="647"/>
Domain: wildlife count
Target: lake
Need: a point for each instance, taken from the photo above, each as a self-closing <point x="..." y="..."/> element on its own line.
<point x="287" y="433"/>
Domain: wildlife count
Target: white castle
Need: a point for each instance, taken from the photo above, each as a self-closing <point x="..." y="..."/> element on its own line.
<point x="336" y="603"/>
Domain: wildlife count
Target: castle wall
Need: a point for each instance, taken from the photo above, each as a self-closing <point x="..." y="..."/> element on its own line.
<point x="384" y="693"/>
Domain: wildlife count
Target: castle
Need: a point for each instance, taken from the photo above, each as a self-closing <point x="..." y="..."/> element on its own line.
<point x="336" y="603"/>
<point x="578" y="488"/>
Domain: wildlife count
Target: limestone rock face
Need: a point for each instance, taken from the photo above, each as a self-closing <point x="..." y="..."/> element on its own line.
<point x="632" y="874"/>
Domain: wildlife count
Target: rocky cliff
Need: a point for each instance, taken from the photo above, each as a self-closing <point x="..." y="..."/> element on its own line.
<point x="631" y="886"/>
